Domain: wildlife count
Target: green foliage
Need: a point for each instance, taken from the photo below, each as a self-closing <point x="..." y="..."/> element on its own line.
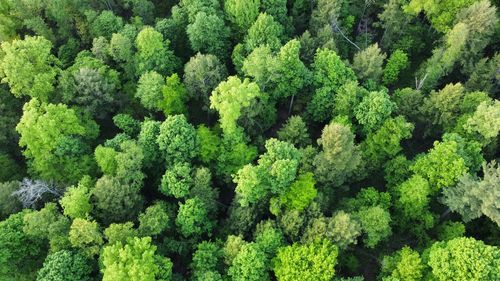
<point x="441" y="166"/>
<point x="397" y="62"/>
<point x="404" y="265"/>
<point x="384" y="143"/>
<point x="339" y="158"/>
<point x="114" y="201"/>
<point x="330" y="71"/>
<point x="472" y="197"/>
<point x="275" y="172"/>
<point x="314" y="261"/>
<point x="463" y="259"/>
<point x="209" y="144"/>
<point x="149" y="90"/>
<point x="294" y="131"/>
<point x="177" y="180"/>
<point x="153" y="53"/>
<point x="230" y="98"/>
<point x="208" y="34"/>
<point x="242" y="13"/>
<point x="135" y="260"/>
<point x="375" y="223"/>
<point x="174" y="96"/>
<point x="29" y="67"/>
<point x="9" y="204"/>
<point x="202" y="74"/>
<point x="76" y="200"/>
<point x="120" y="232"/>
<point x="21" y="253"/>
<point x="48" y="224"/>
<point x="441" y="15"/>
<point x="342" y="229"/>
<point x="192" y="218"/>
<point x="368" y="63"/>
<point x="56" y="136"/>
<point x="249" y="264"/>
<point x="264" y="31"/>
<point x="373" y="110"/>
<point x="154" y="220"/>
<point x="177" y="139"/>
<point x="85" y="236"/>
<point x="300" y="194"/>
<point x="65" y="266"/>
<point x="206" y="261"/>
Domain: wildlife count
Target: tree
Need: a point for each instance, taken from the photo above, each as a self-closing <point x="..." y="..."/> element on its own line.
<point x="202" y="73"/>
<point x="313" y="261"/>
<point x="120" y="232"/>
<point x="192" y="218"/>
<point x="208" y="34"/>
<point x="463" y="259"/>
<point x="407" y="100"/>
<point x="149" y="90"/>
<point x="242" y="13"/>
<point x="153" y="53"/>
<point x="123" y="162"/>
<point x="114" y="201"/>
<point x="294" y="131"/>
<point x="300" y="194"/>
<point x="342" y="229"/>
<point x="373" y="110"/>
<point x="85" y="236"/>
<point x="56" y="136"/>
<point x="209" y="143"/>
<point x="230" y="98"/>
<point x="9" y="204"/>
<point x="275" y="172"/>
<point x="264" y="31"/>
<point x="268" y="237"/>
<point x="472" y="197"/>
<point x="21" y="253"/>
<point x="441" y="15"/>
<point x="177" y="180"/>
<point x="76" y="199"/>
<point x="384" y="143"/>
<point x="234" y="154"/>
<point x="484" y="123"/>
<point x="174" y="96"/>
<point x="206" y="261"/>
<point x="441" y="166"/>
<point x="375" y="223"/>
<point x="49" y="225"/>
<point x="290" y="75"/>
<point x="339" y="158"/>
<point x="413" y="201"/>
<point x="397" y="62"/>
<point x="330" y="71"/>
<point x="146" y="140"/>
<point x="104" y="24"/>
<point x="29" y="67"/>
<point x="135" y="260"/>
<point x="329" y="74"/>
<point x="368" y="63"/>
<point x="177" y="139"/>
<point x="65" y="266"/>
<point x="405" y="265"/>
<point x="249" y="264"/>
<point x="442" y="108"/>
<point x="154" y="220"/>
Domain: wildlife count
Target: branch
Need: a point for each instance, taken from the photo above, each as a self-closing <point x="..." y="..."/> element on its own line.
<point x="336" y="27"/>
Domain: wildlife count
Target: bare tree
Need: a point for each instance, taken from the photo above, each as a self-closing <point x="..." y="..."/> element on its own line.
<point x="30" y="191"/>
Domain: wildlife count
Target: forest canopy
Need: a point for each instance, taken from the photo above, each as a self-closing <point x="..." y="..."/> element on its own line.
<point x="249" y="140"/>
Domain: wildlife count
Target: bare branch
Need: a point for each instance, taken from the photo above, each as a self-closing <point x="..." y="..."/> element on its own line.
<point x="31" y="191"/>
